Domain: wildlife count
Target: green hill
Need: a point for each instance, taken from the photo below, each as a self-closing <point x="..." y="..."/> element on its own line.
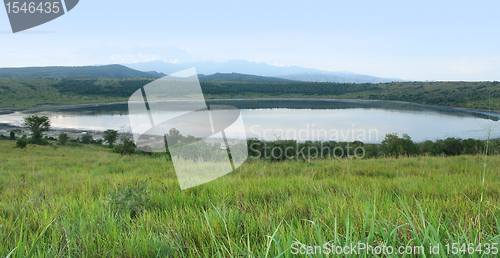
<point x="21" y="93"/>
<point x="77" y="72"/>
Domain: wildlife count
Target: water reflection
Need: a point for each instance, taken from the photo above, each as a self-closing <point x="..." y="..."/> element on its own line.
<point x="304" y="119"/>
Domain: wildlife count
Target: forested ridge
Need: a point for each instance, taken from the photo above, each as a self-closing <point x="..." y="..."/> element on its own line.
<point x="23" y="92"/>
<point x="124" y="88"/>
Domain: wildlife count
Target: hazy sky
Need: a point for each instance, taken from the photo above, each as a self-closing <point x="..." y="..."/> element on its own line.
<point x="413" y="40"/>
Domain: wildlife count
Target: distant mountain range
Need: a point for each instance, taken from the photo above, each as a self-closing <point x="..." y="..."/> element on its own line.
<point x="233" y="70"/>
<point x="261" y="69"/>
<point x="337" y="77"/>
<point x="104" y="71"/>
<point x="238" y="77"/>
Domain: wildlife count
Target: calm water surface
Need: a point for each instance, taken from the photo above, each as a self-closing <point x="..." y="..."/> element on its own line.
<point x="302" y="119"/>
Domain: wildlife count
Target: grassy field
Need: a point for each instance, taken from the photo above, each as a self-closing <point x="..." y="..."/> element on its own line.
<point x="89" y="202"/>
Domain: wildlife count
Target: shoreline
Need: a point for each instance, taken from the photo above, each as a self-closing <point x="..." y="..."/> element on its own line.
<point x="64" y="106"/>
<point x="10" y="127"/>
<point x="55" y="131"/>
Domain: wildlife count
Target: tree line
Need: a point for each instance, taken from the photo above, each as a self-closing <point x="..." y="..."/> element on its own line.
<point x="125" y="88"/>
<point x="391" y="146"/>
<point x="479" y="95"/>
<point x="482" y="95"/>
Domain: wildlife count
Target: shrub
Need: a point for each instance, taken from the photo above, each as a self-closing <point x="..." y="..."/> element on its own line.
<point x="63" y="138"/>
<point x="451" y="146"/>
<point x="371" y="150"/>
<point x="86" y="138"/>
<point x="126" y="148"/>
<point x="392" y="145"/>
<point x="430" y="148"/>
<point x="37" y="141"/>
<point x="21" y="143"/>
<point x="12" y="135"/>
<point x="494" y="147"/>
<point x="472" y="146"/>
<point x="110" y="137"/>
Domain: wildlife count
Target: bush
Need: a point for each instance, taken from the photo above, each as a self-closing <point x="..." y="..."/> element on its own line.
<point x="451" y="146"/>
<point x="126" y="148"/>
<point x="86" y="138"/>
<point x="473" y="146"/>
<point x="63" y="138"/>
<point x="12" y="136"/>
<point x="392" y="145"/>
<point x="21" y="143"/>
<point x="371" y="150"/>
<point x="38" y="141"/>
<point x="429" y="148"/>
<point x="110" y="137"/>
<point x="494" y="147"/>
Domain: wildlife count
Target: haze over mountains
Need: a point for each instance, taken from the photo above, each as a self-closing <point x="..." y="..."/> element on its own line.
<point x="232" y="70"/>
<point x="246" y="67"/>
<point x="238" y="77"/>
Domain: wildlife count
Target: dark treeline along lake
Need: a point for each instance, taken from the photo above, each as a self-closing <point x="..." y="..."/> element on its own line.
<point x="304" y="119"/>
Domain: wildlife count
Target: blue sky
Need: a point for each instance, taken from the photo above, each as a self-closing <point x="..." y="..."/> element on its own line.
<point x="413" y="40"/>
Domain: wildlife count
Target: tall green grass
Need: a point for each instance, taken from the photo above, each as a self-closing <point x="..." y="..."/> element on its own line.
<point x="89" y="202"/>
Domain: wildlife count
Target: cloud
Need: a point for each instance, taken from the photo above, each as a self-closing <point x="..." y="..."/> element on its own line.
<point x="135" y="54"/>
<point x="473" y="65"/>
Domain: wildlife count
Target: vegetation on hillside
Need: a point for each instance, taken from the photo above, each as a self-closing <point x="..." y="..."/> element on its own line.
<point x="27" y="93"/>
<point x="103" y="71"/>
<point x="22" y="93"/>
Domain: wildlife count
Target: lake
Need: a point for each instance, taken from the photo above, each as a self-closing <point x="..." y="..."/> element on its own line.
<point x="304" y="119"/>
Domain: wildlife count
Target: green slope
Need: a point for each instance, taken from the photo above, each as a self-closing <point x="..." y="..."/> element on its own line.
<point x="22" y="93"/>
<point x="105" y="71"/>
